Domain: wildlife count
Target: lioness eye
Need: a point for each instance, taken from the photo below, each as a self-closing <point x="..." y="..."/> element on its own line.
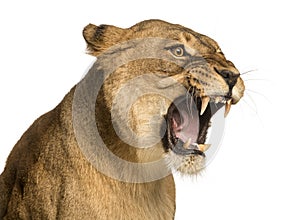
<point x="178" y="51"/>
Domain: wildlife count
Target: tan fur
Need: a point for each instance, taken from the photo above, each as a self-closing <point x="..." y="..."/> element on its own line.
<point x="48" y="177"/>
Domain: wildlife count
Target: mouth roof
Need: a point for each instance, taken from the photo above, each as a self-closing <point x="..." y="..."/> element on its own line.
<point x="185" y="122"/>
<point x="188" y="120"/>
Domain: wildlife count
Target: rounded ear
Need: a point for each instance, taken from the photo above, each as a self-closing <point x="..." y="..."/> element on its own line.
<point x="99" y="38"/>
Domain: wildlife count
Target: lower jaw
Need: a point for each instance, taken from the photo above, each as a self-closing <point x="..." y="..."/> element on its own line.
<point x="186" y="165"/>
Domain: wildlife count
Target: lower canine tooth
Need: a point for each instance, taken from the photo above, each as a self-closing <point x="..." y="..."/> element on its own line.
<point x="203" y="147"/>
<point x="187" y="144"/>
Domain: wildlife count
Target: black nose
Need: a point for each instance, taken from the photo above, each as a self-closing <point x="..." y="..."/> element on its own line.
<point x="229" y="77"/>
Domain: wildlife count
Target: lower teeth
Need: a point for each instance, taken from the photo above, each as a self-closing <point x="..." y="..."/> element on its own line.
<point x="201" y="147"/>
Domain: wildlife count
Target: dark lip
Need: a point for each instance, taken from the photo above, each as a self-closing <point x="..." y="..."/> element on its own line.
<point x="171" y="142"/>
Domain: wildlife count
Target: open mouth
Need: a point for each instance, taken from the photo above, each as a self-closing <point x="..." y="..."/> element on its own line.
<point x="188" y="119"/>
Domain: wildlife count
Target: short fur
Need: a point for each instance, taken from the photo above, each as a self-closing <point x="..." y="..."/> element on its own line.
<point x="48" y="177"/>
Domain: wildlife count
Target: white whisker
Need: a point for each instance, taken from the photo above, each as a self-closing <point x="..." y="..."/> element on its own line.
<point x="254" y="107"/>
<point x="249" y="71"/>
<point x="267" y="80"/>
<point x="189" y="100"/>
<point x="258" y="93"/>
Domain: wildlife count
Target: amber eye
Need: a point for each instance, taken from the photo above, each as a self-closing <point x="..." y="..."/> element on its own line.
<point x="178" y="51"/>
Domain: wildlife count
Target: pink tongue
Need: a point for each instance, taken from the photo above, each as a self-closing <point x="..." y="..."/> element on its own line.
<point x="188" y="126"/>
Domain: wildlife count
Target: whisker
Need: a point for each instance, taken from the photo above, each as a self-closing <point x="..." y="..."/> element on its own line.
<point x="254" y="109"/>
<point x="188" y="97"/>
<point x="252" y="101"/>
<point x="192" y="100"/>
<point x="267" y="80"/>
<point x="249" y="71"/>
<point x="258" y="93"/>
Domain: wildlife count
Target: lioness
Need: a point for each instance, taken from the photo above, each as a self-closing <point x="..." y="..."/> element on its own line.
<point x="142" y="110"/>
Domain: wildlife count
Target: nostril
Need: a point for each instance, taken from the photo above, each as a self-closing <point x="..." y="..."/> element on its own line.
<point x="228" y="76"/>
<point x="225" y="73"/>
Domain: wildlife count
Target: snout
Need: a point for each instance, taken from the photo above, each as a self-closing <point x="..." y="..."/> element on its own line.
<point x="229" y="77"/>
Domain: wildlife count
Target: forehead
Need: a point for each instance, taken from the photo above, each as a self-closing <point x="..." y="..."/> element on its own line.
<point x="198" y="41"/>
<point x="176" y="32"/>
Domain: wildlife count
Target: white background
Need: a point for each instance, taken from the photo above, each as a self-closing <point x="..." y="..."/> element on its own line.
<point x="255" y="174"/>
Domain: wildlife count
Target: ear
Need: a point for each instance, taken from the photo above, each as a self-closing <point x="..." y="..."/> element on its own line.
<point x="99" y="38"/>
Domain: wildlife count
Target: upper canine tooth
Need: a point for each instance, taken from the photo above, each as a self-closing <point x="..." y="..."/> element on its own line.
<point x="187" y="144"/>
<point x="227" y="107"/>
<point x="205" y="101"/>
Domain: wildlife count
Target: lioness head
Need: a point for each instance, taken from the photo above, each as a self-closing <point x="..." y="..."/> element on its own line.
<point x="161" y="99"/>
